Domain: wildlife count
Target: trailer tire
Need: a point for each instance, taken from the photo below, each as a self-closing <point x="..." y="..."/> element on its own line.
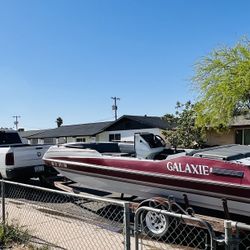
<point x="155" y="224"/>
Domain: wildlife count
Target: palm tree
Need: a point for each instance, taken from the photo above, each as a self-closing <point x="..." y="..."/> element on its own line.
<point x="59" y="121"/>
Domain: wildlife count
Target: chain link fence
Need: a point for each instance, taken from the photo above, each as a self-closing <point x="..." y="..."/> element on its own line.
<point x="160" y="229"/>
<point x="237" y="236"/>
<point x="60" y="220"/>
<point x="52" y="219"/>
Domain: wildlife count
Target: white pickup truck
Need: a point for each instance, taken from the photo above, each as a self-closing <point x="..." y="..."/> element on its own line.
<point x="19" y="160"/>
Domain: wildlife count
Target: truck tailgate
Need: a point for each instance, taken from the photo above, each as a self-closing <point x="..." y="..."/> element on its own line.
<point x="29" y="155"/>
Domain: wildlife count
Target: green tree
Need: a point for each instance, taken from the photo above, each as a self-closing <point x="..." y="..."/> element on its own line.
<point x="223" y="82"/>
<point x="184" y="132"/>
<point x="171" y="134"/>
<point x="59" y="122"/>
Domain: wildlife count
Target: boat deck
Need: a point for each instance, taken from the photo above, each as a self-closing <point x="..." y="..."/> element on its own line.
<point x="228" y="152"/>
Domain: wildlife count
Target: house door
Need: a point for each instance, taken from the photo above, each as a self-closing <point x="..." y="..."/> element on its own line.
<point x="242" y="136"/>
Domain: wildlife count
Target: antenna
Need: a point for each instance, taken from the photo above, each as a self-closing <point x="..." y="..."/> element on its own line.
<point x="114" y="107"/>
<point x="16" y="120"/>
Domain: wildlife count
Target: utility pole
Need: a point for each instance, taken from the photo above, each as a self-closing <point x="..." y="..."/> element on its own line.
<point x="114" y="107"/>
<point x="16" y="120"/>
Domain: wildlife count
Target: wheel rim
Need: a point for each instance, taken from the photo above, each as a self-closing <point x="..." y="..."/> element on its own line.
<point x="156" y="223"/>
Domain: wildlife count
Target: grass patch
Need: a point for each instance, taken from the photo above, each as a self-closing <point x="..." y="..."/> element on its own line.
<point x="31" y="247"/>
<point x="13" y="235"/>
<point x="17" y="237"/>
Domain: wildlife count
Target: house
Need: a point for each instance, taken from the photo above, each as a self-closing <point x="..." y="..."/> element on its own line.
<point x="238" y="132"/>
<point x="27" y="134"/>
<point x="122" y="129"/>
<point x="126" y="126"/>
<point x="68" y="133"/>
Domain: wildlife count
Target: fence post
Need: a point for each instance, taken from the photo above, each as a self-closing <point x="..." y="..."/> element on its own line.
<point x="3" y="201"/>
<point x="127" y="225"/>
<point x="237" y="237"/>
<point x="3" y="205"/>
<point x="228" y="234"/>
<point x="136" y="229"/>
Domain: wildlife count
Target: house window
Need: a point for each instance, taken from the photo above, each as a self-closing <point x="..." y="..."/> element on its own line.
<point x="246" y="136"/>
<point x="114" y="137"/>
<point x="238" y="136"/>
<point x="80" y="140"/>
<point x="49" y="141"/>
<point x="34" y="141"/>
<point x="242" y="136"/>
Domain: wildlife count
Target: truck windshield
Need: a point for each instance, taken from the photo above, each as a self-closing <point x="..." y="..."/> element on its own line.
<point x="9" y="138"/>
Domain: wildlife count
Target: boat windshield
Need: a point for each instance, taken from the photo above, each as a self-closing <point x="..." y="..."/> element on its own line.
<point x="154" y="141"/>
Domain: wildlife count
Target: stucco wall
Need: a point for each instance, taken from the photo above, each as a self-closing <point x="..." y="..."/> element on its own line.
<point x="87" y="139"/>
<point x="215" y="138"/>
<point x="126" y="135"/>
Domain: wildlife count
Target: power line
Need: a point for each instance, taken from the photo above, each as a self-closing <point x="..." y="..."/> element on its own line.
<point x="115" y="107"/>
<point x="16" y="120"/>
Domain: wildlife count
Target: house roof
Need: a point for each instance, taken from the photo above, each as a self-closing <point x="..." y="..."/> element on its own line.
<point x="28" y="133"/>
<point x="154" y="121"/>
<point x="89" y="129"/>
<point x="145" y="121"/>
<point x="241" y="120"/>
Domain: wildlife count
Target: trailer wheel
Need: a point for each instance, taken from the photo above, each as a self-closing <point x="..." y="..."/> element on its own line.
<point x="155" y="224"/>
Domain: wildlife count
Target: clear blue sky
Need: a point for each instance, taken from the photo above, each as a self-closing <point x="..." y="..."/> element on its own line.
<point x="67" y="58"/>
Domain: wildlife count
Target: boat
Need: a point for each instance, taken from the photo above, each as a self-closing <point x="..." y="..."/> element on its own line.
<point x="148" y="169"/>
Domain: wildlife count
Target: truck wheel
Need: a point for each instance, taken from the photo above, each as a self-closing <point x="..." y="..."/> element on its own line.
<point x="45" y="181"/>
<point x="47" y="178"/>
